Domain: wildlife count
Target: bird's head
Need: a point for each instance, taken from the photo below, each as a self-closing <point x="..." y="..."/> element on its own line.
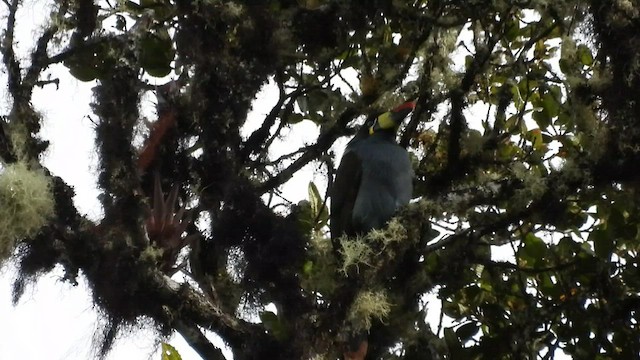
<point x="391" y="120"/>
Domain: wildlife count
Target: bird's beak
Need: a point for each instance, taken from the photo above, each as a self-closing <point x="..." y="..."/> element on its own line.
<point x="408" y="105"/>
<point x="399" y="113"/>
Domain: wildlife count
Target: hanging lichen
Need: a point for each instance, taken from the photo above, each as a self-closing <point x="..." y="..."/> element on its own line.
<point x="26" y="204"/>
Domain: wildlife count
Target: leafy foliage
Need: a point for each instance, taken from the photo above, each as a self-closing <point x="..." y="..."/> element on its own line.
<point x="524" y="141"/>
<point x="169" y="352"/>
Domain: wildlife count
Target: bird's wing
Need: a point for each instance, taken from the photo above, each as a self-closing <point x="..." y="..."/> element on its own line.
<point x="343" y="195"/>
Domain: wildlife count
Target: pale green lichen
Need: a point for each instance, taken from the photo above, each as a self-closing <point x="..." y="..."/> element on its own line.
<point x="151" y="254"/>
<point x="473" y="143"/>
<point x="569" y="48"/>
<point x="428" y="208"/>
<point x="519" y="170"/>
<point x="534" y="186"/>
<point x="19" y="137"/>
<point x="572" y="172"/>
<point x="598" y="142"/>
<point x="320" y="243"/>
<point x="318" y="357"/>
<point x="318" y="272"/>
<point x="600" y="80"/>
<point x="18" y="130"/>
<point x="26" y="205"/>
<point x="394" y="232"/>
<point x="367" y="306"/>
<point x="627" y="8"/>
<point x="233" y="10"/>
<point x="355" y="252"/>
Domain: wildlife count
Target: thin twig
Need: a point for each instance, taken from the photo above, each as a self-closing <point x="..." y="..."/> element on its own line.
<point x="324" y="141"/>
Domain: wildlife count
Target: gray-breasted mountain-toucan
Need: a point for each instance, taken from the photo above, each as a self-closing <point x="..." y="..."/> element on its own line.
<point x="374" y="178"/>
<point x="373" y="181"/>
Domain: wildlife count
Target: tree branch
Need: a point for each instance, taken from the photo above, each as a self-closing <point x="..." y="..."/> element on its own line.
<point x="324" y="142"/>
<point x="8" y="53"/>
<point x="39" y="56"/>
<point x="511" y="266"/>
<point x="193" y="308"/>
<point x="198" y="341"/>
<point x="256" y="141"/>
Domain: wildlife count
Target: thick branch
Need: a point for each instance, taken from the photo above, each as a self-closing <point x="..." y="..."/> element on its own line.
<point x="196" y="339"/>
<point x="192" y="308"/>
<point x="39" y="59"/>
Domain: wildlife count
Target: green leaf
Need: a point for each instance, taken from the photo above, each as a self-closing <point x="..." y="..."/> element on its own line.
<point x="618" y="226"/>
<point x="169" y="352"/>
<point x="272" y="323"/>
<point x="453" y="343"/>
<point x="162" y="9"/>
<point x="584" y="54"/>
<point x="156" y="53"/>
<point x="603" y="243"/>
<point x="467" y="331"/>
<point x="550" y="105"/>
<point x="132" y="7"/>
<point x="540" y="49"/>
<point x="451" y="309"/>
<point x="432" y="262"/>
<point x="314" y="102"/>
<point x="90" y="62"/>
<point x="268" y="318"/>
<point x="536" y="138"/>
<point x="533" y="251"/>
<point x="565" y="65"/>
<point x="468" y="60"/>
<point x="548" y="287"/>
<point x="511" y="122"/>
<point x="567" y="248"/>
<point x="305" y="216"/>
<point x="303" y="103"/>
<point x="319" y="209"/>
<point x="512" y="28"/>
<point x="565" y="119"/>
<point x="314" y="198"/>
<point x="84" y="73"/>
<point x="294" y="118"/>
<point x="307" y="268"/>
<point x="541" y="118"/>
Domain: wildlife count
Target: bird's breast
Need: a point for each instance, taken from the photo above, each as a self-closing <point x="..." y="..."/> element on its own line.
<point x="385" y="186"/>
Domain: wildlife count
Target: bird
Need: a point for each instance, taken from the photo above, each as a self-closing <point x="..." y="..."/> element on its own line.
<point x="374" y="179"/>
